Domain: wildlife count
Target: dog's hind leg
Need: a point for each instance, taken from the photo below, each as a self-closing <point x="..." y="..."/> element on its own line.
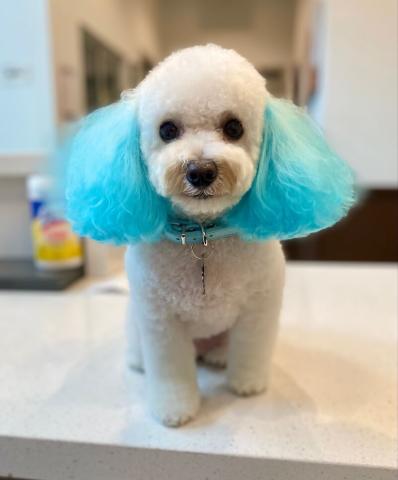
<point x="134" y="353"/>
<point x="214" y="350"/>
<point x="216" y="357"/>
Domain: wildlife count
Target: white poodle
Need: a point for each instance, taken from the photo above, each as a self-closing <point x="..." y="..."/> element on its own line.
<point x="200" y="171"/>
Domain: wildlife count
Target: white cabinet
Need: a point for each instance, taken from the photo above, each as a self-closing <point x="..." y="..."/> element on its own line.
<point x="357" y="101"/>
<point x="26" y="86"/>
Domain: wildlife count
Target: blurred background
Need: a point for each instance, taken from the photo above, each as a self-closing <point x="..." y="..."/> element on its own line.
<point x="62" y="58"/>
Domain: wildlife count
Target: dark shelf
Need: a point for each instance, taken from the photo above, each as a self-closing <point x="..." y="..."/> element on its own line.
<point x="23" y="275"/>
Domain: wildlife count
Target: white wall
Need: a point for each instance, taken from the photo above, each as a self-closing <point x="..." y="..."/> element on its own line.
<point x="26" y="90"/>
<point x="358" y="101"/>
<point x="265" y="35"/>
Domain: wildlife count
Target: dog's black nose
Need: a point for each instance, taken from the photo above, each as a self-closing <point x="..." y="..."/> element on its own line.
<point x="201" y="173"/>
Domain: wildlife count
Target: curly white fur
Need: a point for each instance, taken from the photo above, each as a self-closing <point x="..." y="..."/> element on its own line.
<point x="197" y="88"/>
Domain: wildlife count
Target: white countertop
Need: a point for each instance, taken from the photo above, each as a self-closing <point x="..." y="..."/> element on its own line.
<point x="70" y="409"/>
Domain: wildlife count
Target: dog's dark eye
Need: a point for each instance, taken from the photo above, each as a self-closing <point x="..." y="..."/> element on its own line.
<point x="168" y="131"/>
<point x="233" y="129"/>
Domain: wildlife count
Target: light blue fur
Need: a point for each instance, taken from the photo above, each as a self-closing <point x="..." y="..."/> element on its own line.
<point x="301" y="185"/>
<point x="108" y="193"/>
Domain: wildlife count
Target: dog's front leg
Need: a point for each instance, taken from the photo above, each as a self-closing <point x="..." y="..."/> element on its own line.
<point x="251" y="343"/>
<point x="134" y="353"/>
<point x="252" y="338"/>
<point x="169" y="359"/>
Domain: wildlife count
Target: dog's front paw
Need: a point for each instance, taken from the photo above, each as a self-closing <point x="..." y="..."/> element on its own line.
<point x="174" y="405"/>
<point x="246" y="385"/>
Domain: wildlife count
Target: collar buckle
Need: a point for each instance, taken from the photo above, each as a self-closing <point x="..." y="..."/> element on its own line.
<point x="204" y="235"/>
<point x="183" y="235"/>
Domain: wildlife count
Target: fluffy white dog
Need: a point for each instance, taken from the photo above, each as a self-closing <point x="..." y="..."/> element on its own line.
<point x="200" y="171"/>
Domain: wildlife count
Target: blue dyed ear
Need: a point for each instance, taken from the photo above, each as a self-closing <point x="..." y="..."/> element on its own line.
<point x="301" y="185"/>
<point x="108" y="194"/>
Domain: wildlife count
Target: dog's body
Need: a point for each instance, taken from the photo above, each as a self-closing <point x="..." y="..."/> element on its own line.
<point x="201" y="140"/>
<point x="244" y="283"/>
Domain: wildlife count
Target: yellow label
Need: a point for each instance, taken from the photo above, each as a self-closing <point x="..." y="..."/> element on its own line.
<point x="54" y="241"/>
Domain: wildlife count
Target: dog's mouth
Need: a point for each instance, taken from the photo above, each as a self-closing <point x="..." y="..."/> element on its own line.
<point x="202" y="195"/>
<point x="202" y="192"/>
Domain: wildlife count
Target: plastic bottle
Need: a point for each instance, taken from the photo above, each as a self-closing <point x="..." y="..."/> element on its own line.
<point x="55" y="246"/>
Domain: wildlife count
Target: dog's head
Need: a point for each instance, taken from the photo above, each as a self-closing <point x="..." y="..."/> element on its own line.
<point x="201" y="119"/>
<point x="201" y="136"/>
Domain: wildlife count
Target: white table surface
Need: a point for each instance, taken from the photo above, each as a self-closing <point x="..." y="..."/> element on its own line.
<point x="70" y="409"/>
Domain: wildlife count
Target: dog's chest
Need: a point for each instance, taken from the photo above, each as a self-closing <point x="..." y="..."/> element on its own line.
<point x="169" y="273"/>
